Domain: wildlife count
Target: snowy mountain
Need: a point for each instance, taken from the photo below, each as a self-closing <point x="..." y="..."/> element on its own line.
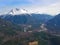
<point x="17" y="11"/>
<point x="22" y="16"/>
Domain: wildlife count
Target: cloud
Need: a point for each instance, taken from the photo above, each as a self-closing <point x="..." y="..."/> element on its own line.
<point x="43" y="2"/>
<point x="51" y="9"/>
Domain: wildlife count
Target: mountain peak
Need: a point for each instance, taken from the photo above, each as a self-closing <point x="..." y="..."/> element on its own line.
<point x="18" y="11"/>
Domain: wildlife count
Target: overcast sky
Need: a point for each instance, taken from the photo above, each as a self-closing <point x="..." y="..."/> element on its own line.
<point x="41" y="6"/>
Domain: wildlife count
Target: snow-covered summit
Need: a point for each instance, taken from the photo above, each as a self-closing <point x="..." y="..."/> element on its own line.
<point x="18" y="11"/>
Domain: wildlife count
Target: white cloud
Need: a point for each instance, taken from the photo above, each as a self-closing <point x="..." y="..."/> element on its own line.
<point x="52" y="9"/>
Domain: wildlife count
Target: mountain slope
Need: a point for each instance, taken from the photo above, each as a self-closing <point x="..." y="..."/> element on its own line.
<point x="27" y="19"/>
<point x="54" y="24"/>
<point x="8" y="27"/>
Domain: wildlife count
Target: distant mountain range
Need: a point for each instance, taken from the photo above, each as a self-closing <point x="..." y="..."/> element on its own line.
<point x="21" y="16"/>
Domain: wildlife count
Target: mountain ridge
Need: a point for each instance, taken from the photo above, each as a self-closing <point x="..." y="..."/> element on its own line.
<point x="54" y="24"/>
